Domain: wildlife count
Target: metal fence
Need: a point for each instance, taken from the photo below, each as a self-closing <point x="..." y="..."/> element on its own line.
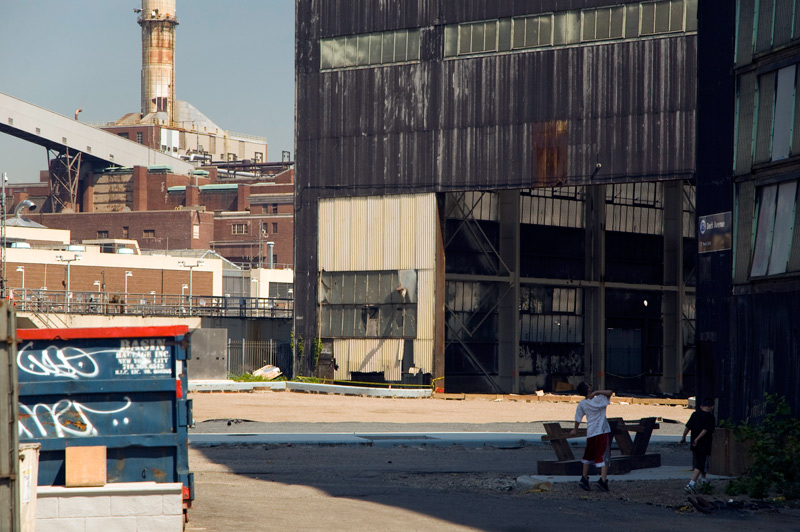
<point x="246" y="356"/>
<point x="152" y="304"/>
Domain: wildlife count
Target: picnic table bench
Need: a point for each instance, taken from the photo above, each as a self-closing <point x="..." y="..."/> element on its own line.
<point x="633" y="452"/>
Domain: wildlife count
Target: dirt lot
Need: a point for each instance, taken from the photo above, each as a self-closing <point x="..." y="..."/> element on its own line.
<point x="282" y="407"/>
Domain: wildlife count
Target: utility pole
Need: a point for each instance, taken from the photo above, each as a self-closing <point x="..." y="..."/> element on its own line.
<point x="3" y="239"/>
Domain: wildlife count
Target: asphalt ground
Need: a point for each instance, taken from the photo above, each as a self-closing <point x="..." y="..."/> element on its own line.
<point x="289" y="461"/>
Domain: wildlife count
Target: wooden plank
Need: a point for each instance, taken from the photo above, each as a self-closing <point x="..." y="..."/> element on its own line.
<point x="618" y="465"/>
<point x="624" y="441"/>
<point x="642" y="439"/>
<point x="559" y="443"/>
<point x="645" y="461"/>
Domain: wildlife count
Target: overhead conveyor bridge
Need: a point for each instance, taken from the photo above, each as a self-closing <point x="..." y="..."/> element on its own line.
<point x="76" y="144"/>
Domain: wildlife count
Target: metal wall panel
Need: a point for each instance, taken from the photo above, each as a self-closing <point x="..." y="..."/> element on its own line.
<point x="784" y="22"/>
<point x="373" y="355"/>
<point x="377" y="233"/>
<point x="763" y="357"/>
<point x="745" y="107"/>
<point x="744" y="31"/>
<point x="764" y="31"/>
<point x="382" y="233"/>
<point x="766" y="110"/>
<point x="745" y="206"/>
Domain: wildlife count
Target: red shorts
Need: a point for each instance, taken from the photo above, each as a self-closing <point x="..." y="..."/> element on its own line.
<point x="598" y="450"/>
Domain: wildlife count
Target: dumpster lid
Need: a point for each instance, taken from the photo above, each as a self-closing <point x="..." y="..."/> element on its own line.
<point x="101" y="332"/>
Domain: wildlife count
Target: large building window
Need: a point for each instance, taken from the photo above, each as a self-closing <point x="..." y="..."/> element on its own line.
<point x="570" y="27"/>
<point x="662" y="17"/>
<point x="531" y="32"/>
<point x="368" y="304"/>
<point x="603" y="23"/>
<point x="776" y="209"/>
<point x="239" y="229"/>
<point x="370" y="49"/>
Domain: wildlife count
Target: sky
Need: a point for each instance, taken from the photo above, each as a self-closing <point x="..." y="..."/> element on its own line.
<point x="234" y="61"/>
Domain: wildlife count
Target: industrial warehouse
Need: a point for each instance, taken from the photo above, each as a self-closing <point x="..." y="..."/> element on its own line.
<point x="505" y="195"/>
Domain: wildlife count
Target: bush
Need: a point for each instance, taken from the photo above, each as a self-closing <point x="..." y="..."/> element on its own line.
<point x="774" y="447"/>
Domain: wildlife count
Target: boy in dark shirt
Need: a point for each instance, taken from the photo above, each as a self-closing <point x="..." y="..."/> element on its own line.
<point x="701" y="423"/>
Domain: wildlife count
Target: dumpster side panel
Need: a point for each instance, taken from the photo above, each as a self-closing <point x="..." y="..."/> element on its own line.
<point x="120" y="388"/>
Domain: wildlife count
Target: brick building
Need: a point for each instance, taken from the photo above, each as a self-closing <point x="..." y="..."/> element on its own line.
<point x="237" y="211"/>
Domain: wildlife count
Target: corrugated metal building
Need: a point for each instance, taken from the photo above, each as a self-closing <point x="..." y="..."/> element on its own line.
<point x="498" y="193"/>
<point x="750" y="298"/>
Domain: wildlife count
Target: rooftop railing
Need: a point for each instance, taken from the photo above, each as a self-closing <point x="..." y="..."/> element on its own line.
<point x="40" y="301"/>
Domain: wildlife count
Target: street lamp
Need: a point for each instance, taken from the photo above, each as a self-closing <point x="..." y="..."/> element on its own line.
<point x="22" y="269"/>
<point x="183" y="287"/>
<point x="61" y="258"/>
<point x="190" y="266"/>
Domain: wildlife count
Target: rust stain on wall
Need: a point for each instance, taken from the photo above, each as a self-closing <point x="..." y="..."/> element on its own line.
<point x="549" y="153"/>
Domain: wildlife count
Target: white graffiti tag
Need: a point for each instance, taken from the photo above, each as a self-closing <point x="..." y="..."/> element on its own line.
<point x="69" y="362"/>
<point x="67" y="418"/>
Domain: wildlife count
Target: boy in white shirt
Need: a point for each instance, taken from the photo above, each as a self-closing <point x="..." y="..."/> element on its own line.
<point x="598" y="433"/>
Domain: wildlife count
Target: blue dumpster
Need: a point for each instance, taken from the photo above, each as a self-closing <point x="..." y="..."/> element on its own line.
<point x="123" y="388"/>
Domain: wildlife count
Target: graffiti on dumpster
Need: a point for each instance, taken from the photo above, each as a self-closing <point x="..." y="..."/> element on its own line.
<point x="53" y="361"/>
<point x="132" y="358"/>
<point x="64" y="418"/>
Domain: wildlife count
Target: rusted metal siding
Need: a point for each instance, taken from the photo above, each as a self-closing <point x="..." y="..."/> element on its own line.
<point x="476" y="122"/>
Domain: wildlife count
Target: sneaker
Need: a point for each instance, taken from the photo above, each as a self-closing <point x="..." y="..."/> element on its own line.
<point x="690" y="489"/>
<point x="584" y="483"/>
<point x="602" y="484"/>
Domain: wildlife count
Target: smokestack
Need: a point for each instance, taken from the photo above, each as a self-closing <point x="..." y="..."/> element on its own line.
<point x="270" y="248"/>
<point x="158" y="21"/>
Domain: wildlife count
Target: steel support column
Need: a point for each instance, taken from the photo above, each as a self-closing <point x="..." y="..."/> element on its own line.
<point x="508" y="328"/>
<point x="65" y="171"/>
<point x="595" y="296"/>
<point x="672" y="301"/>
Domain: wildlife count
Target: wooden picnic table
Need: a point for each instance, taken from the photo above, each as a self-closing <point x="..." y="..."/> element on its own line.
<point x="633" y="452"/>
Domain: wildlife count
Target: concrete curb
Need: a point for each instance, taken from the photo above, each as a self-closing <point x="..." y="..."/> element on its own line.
<point x="501" y="440"/>
<point x="307" y="387"/>
<point x="401" y="392"/>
